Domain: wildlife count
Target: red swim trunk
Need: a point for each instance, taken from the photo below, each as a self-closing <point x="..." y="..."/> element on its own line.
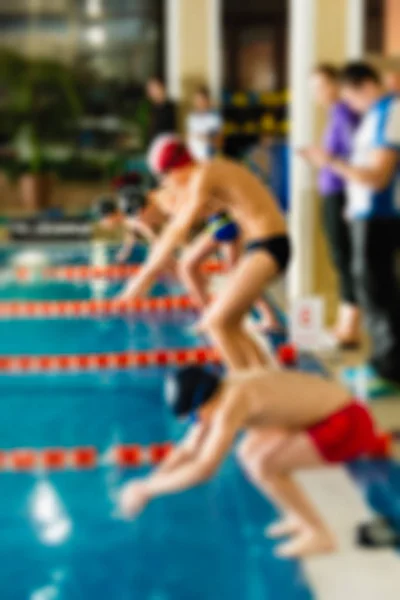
<point x="346" y="435"/>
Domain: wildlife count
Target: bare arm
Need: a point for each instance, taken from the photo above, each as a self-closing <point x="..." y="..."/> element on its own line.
<point x="195" y="461"/>
<point x="377" y="175"/>
<point x="135" y="227"/>
<point x="184" y="452"/>
<point x="173" y="236"/>
<point x="145" y="231"/>
<point x="126" y="249"/>
<point x="203" y="465"/>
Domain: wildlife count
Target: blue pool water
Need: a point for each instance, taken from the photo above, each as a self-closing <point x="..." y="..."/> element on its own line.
<point x="61" y="537"/>
<point x="60" y="534"/>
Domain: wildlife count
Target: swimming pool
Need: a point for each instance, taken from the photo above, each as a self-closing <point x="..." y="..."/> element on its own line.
<point x="61" y="535"/>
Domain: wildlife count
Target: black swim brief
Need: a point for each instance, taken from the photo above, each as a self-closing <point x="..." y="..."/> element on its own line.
<point x="278" y="247"/>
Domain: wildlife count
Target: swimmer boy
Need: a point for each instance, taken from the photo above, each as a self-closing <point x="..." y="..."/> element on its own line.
<point x="284" y="431"/>
<point x="221" y="235"/>
<point x="197" y="191"/>
<point x="136" y="211"/>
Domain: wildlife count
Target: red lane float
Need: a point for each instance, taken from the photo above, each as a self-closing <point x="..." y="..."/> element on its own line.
<point x="88" y="272"/>
<point x="287" y="354"/>
<point x="80" y="308"/>
<point x="100" y="362"/>
<point x="83" y="458"/>
<point x="124" y="456"/>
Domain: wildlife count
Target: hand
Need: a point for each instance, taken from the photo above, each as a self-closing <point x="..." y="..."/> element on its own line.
<point x="134" y="498"/>
<point x="315" y="156"/>
<point x="123" y="255"/>
<point x="126" y="294"/>
<point x="129" y="292"/>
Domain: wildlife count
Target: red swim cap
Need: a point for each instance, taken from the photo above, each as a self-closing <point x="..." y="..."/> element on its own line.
<point x="168" y="152"/>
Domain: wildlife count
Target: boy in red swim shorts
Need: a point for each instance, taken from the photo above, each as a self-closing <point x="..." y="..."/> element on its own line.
<point x="291" y="421"/>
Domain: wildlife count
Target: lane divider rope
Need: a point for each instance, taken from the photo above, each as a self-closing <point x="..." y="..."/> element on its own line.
<point x="78" y="308"/>
<point x="82" y="457"/>
<point x="77" y="363"/>
<point x="88" y="272"/>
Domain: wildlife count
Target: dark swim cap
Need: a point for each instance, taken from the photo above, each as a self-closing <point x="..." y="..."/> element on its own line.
<point x="131" y="199"/>
<point x="105" y="207"/>
<point x="187" y="389"/>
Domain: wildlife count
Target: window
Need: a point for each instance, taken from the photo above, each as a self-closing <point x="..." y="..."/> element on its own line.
<point x="114" y="39"/>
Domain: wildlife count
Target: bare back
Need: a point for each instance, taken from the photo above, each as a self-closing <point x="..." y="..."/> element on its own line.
<point x="244" y="197"/>
<point x="291" y="400"/>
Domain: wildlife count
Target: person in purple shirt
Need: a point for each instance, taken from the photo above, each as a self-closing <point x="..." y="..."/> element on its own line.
<point x="337" y="141"/>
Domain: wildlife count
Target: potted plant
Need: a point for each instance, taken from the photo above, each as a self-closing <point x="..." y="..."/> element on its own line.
<point x="43" y="106"/>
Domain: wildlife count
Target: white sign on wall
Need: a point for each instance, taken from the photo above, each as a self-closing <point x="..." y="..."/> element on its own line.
<point x="307" y="322"/>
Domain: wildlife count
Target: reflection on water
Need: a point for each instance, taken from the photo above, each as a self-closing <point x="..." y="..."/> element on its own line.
<point x="50" y="517"/>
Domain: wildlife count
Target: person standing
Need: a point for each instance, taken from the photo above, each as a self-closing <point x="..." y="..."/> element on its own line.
<point x="204" y="127"/>
<point x="163" y="111"/>
<point x="373" y="186"/>
<point x="337" y="141"/>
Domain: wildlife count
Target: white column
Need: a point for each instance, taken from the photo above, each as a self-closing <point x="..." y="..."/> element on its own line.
<point x="172" y="48"/>
<point x="302" y="214"/>
<point x="355" y="29"/>
<point x="215" y="29"/>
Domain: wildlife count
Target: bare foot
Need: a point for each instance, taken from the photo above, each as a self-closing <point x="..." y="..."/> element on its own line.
<point x="347" y="330"/>
<point x="346" y="338"/>
<point x="307" y="543"/>
<point x="268" y="319"/>
<point x="265" y="326"/>
<point x="282" y="528"/>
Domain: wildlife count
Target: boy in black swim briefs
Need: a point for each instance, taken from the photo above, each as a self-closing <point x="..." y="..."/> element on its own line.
<point x="199" y="191"/>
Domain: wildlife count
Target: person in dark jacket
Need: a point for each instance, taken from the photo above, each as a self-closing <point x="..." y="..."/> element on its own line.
<point x="163" y="110"/>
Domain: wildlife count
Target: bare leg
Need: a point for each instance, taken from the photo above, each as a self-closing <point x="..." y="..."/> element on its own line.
<point x="238" y="348"/>
<point x="223" y="321"/>
<point x="190" y="267"/>
<point x="268" y="321"/>
<point x="348" y="327"/>
<point x="271" y="473"/>
<point x="231" y="253"/>
<point x="257" y="447"/>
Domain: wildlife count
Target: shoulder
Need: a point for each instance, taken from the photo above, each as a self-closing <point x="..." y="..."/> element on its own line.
<point x="386" y="107"/>
<point x="222" y="170"/>
<point x="233" y="406"/>
<point x="391" y="108"/>
<point x="387" y="119"/>
<point x="341" y="113"/>
<point x="221" y="162"/>
<point x="214" y="165"/>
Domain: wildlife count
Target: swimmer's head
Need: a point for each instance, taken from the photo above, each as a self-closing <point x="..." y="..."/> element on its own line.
<point x="131" y="200"/>
<point x="168" y="155"/>
<point x="107" y="212"/>
<point x="189" y="391"/>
